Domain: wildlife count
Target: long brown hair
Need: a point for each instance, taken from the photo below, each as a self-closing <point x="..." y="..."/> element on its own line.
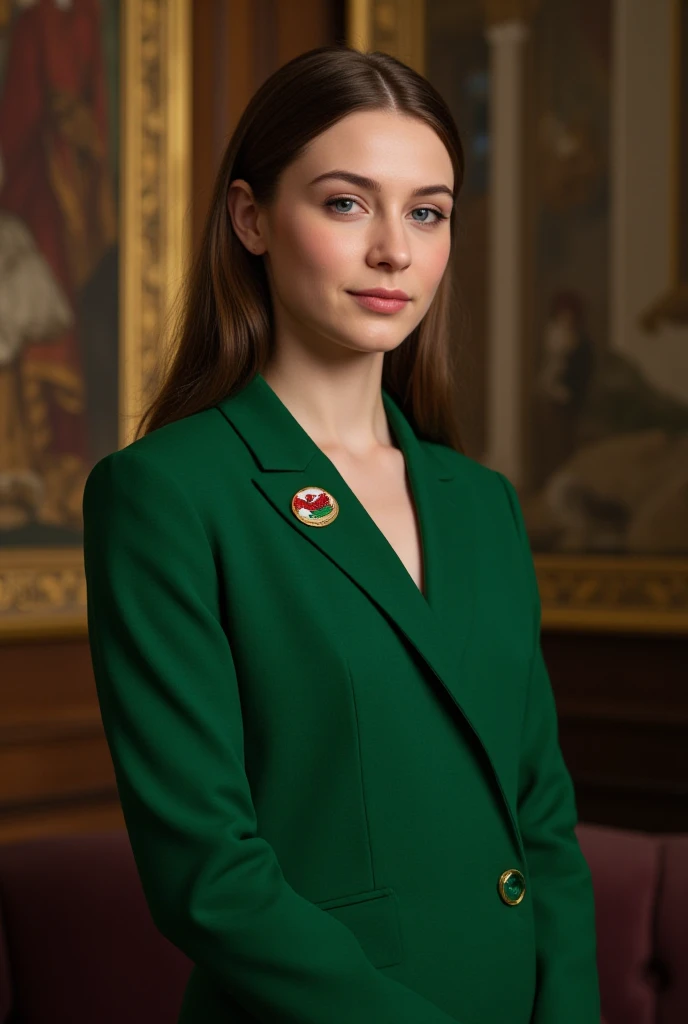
<point x="223" y="332"/>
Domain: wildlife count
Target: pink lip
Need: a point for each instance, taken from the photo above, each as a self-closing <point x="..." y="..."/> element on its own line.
<point x="383" y="293"/>
<point x="381" y="301"/>
<point x="379" y="305"/>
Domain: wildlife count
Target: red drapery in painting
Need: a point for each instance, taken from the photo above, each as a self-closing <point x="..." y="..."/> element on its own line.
<point x="54" y="149"/>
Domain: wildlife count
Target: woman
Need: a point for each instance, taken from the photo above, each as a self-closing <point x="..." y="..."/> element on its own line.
<point x="315" y="622"/>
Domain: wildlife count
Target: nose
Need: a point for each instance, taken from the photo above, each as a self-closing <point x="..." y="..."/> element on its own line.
<point x="389" y="244"/>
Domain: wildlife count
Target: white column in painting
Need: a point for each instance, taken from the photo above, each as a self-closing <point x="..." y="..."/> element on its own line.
<point x="505" y="272"/>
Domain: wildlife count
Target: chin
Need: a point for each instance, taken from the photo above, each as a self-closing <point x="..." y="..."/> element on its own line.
<point x="381" y="343"/>
<point x="356" y="337"/>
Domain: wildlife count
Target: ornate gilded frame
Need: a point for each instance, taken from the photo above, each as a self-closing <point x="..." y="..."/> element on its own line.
<point x="578" y="592"/>
<point x="43" y="590"/>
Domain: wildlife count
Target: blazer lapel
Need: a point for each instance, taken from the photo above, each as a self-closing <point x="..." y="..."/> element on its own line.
<point x="439" y="624"/>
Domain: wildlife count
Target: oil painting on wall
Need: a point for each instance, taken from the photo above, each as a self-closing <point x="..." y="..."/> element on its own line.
<point x="598" y="408"/>
<point x="94" y="186"/>
<point x="457" y="61"/>
<point x="59" y="160"/>
<point x="608" y="444"/>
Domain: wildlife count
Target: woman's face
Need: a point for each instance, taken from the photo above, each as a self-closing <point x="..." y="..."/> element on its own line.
<point x="324" y="239"/>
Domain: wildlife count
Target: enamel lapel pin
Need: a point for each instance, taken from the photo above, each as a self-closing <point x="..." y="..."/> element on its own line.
<point x="314" y="506"/>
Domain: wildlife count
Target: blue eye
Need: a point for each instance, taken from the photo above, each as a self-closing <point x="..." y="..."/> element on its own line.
<point x="430" y="209"/>
<point x="427" y="209"/>
<point x="331" y="202"/>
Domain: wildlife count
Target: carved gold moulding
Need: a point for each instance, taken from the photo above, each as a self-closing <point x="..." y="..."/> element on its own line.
<point x="613" y="593"/>
<point x="43" y="594"/>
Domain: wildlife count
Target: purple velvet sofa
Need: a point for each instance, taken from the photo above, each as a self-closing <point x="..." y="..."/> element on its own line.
<point x="77" y="944"/>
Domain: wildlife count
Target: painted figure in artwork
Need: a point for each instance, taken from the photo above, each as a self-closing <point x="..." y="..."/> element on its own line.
<point x="57" y="220"/>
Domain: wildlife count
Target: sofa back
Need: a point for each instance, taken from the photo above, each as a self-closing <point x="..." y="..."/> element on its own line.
<point x="79" y="936"/>
<point x="641" y="900"/>
<point x="77" y="943"/>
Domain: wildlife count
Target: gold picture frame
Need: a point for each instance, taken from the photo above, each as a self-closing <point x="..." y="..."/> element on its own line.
<point x="672" y="307"/>
<point x="394" y="26"/>
<point x="43" y="590"/>
<point x="589" y="593"/>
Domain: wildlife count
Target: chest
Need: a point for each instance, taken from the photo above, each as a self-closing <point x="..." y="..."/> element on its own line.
<point x="384" y="491"/>
<point x="328" y="633"/>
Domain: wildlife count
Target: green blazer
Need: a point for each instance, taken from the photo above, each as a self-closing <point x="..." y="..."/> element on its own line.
<point x="324" y="773"/>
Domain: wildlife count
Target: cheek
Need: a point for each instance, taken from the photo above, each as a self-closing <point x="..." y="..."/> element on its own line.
<point x="430" y="265"/>
<point x="432" y="262"/>
<point x="315" y="246"/>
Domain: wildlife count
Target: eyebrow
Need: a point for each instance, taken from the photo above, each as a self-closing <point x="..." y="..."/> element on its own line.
<point x="374" y="186"/>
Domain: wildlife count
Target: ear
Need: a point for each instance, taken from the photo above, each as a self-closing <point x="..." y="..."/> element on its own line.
<point x="243" y="212"/>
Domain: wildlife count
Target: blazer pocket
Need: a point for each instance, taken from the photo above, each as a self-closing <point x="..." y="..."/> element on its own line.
<point x="373" y="917"/>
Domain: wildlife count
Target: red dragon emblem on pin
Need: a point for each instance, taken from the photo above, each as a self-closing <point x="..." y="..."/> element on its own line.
<point x="314" y="506"/>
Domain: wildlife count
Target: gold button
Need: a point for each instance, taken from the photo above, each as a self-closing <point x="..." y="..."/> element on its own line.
<point x="512" y="886"/>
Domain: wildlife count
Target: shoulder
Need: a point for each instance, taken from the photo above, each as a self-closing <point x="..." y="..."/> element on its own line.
<point x="497" y="513"/>
<point x="158" y="488"/>
<point x="459" y="464"/>
<point x="183" y="455"/>
<point x="491" y="489"/>
<point x="496" y="504"/>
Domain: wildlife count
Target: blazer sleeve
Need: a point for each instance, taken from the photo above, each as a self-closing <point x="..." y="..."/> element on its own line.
<point x="170" y="705"/>
<point x="560" y="879"/>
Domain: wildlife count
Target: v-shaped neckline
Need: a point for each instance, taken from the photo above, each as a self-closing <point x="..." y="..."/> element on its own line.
<point x="412" y="487"/>
<point x="400" y="431"/>
<point x="418" y="518"/>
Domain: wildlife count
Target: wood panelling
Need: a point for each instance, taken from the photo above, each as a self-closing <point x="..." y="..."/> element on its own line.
<point x="102" y="814"/>
<point x="55" y="769"/>
<point x="237" y="45"/>
<point x="622" y="703"/>
<point x="39" y="766"/>
<point x="623" y="722"/>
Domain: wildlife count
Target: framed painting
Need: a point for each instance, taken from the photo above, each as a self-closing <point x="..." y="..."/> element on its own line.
<point x="596" y="447"/>
<point x="94" y="190"/>
<point x="672" y="307"/>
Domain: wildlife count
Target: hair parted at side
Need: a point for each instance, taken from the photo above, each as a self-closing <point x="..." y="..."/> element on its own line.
<point x="223" y="324"/>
